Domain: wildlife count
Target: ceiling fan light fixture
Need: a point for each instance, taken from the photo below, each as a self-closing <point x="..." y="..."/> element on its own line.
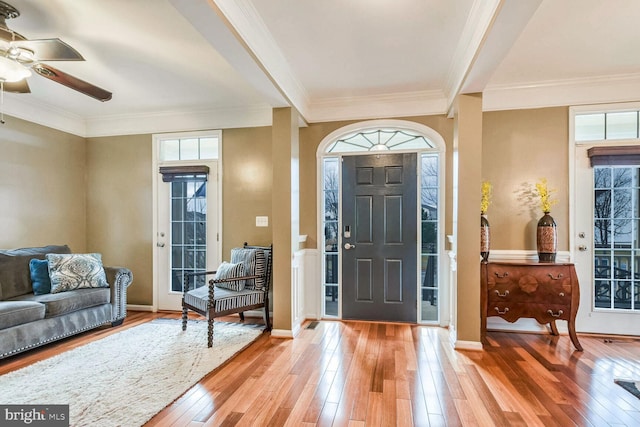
<point x="12" y="71"/>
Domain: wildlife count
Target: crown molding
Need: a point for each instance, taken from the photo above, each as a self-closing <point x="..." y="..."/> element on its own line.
<point x="377" y="106"/>
<point x="135" y="124"/>
<point x="179" y="121"/>
<point x="21" y="107"/>
<point x="252" y="30"/>
<point x="554" y="93"/>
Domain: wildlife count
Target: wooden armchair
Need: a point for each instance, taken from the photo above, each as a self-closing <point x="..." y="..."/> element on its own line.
<point x="238" y="286"/>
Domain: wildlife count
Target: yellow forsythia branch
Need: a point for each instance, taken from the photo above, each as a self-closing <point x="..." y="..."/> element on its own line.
<point x="543" y="191"/>
<point x="485" y="201"/>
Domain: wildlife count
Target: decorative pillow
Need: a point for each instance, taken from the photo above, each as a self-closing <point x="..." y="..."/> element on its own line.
<point x="39" y="270"/>
<point x="228" y="271"/>
<point x="15" y="278"/>
<point x="255" y="264"/>
<point x="76" y="271"/>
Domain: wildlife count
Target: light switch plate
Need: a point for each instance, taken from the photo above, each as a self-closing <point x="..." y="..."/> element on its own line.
<point x="262" y="221"/>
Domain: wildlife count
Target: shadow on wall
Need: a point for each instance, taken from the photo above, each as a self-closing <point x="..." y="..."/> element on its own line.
<point x="528" y="198"/>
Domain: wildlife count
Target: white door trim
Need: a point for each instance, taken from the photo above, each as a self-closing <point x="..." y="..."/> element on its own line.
<point x="155" y="164"/>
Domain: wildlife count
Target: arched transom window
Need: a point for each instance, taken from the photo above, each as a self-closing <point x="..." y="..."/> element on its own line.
<point x="380" y="140"/>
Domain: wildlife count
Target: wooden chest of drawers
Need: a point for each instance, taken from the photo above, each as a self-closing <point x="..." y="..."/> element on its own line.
<point x="542" y="291"/>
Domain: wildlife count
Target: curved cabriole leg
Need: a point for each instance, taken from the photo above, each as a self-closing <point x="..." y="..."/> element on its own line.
<point x="210" y="334"/>
<point x="574" y="337"/>
<point x="184" y="318"/>
<point x="554" y="328"/>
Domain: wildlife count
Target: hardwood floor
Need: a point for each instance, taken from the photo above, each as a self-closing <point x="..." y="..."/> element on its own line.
<point x="377" y="374"/>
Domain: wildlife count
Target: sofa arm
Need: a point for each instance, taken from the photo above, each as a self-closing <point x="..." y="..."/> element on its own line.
<point x="119" y="278"/>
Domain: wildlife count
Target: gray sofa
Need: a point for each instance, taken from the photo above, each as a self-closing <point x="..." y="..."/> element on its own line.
<point x="28" y="320"/>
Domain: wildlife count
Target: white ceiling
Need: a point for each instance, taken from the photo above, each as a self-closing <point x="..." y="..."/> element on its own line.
<point x="177" y="65"/>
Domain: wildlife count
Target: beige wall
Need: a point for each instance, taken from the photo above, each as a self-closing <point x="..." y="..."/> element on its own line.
<point x="519" y="147"/>
<point x="42" y="186"/>
<point x="119" y="208"/>
<point x="247" y="186"/>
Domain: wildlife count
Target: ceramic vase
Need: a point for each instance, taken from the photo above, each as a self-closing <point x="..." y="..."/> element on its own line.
<point x="547" y="239"/>
<point x="485" y="236"/>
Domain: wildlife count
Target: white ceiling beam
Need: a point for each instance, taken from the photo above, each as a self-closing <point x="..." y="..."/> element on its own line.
<point x="251" y="29"/>
<point x="491" y="30"/>
<point x="218" y="26"/>
<point x="507" y="27"/>
<point x="481" y="17"/>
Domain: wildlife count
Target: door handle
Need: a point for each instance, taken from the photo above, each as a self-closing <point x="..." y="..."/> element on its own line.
<point x="160" y="245"/>
<point x="348" y="246"/>
<point x="582" y="248"/>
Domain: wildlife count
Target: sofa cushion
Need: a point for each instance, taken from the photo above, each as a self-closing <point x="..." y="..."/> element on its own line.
<point x="40" y="281"/>
<point x="76" y="271"/>
<point x="255" y="264"/>
<point x="68" y="302"/>
<point x="15" y="278"/>
<point x="227" y="270"/>
<point x="13" y="313"/>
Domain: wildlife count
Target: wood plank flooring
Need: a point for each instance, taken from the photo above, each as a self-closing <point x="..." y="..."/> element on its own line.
<point x="380" y="374"/>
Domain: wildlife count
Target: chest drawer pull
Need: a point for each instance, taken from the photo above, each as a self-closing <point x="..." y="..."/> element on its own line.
<point x="505" y="311"/>
<point x="556" y="277"/>
<point x="561" y="294"/>
<point x="502" y="276"/>
<point x="502" y="295"/>
<point x="552" y="314"/>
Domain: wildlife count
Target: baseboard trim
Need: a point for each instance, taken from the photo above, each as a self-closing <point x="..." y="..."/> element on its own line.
<point x="136" y="307"/>
<point x="281" y="333"/>
<point x="468" y="345"/>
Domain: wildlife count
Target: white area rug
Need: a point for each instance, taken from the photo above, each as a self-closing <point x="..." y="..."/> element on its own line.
<point x="127" y="378"/>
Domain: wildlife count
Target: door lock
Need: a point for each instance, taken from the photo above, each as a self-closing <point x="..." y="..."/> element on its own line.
<point x="348" y="246"/>
<point x="582" y="248"/>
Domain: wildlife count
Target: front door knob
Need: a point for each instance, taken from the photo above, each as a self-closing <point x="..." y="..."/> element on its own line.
<point x="582" y="248"/>
<point x="348" y="246"/>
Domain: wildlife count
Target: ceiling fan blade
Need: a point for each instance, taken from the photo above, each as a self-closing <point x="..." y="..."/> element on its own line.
<point x="17" y="87"/>
<point x="50" y="50"/>
<point x="72" y="82"/>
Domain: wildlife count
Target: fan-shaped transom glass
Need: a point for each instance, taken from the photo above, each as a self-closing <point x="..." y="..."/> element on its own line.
<point x="380" y="140"/>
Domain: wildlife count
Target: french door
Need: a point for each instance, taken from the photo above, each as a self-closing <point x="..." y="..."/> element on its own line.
<point x="187" y="230"/>
<point x="607" y="245"/>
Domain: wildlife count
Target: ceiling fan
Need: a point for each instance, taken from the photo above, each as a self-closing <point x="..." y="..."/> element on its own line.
<point x="19" y="55"/>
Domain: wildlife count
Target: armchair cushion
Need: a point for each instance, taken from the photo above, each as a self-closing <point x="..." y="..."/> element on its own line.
<point x="228" y="270"/>
<point x="255" y="264"/>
